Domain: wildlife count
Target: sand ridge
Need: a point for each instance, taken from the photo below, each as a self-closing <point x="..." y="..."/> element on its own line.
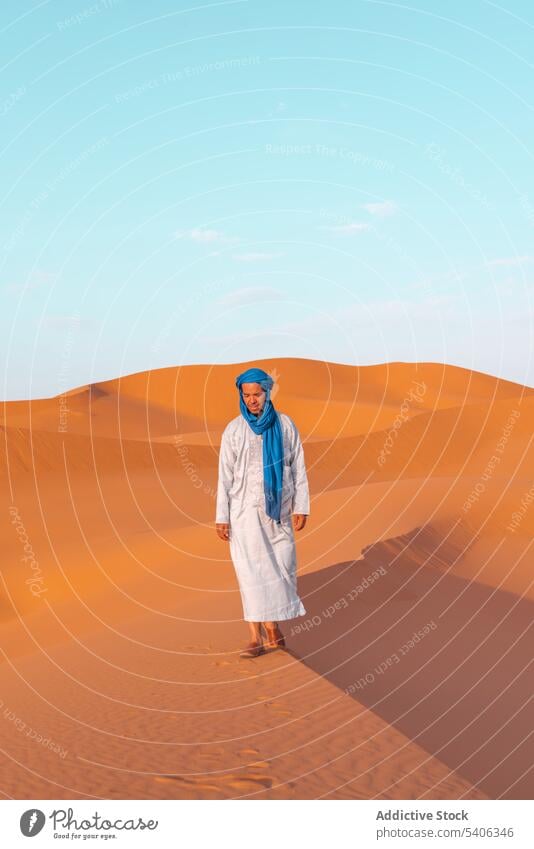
<point x="120" y="632"/>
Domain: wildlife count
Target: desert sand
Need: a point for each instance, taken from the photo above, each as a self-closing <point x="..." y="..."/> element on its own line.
<point x="120" y="632"/>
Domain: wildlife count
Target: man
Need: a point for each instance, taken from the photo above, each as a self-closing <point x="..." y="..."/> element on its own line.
<point x="262" y="496"/>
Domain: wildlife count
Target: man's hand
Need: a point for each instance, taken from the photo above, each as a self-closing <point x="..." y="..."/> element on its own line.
<point x="299" y="520"/>
<point x="223" y="530"/>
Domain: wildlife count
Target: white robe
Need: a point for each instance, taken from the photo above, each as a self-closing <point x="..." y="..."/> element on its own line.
<point x="263" y="552"/>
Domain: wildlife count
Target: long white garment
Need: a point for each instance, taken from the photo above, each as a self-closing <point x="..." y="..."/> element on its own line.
<point x="263" y="552"/>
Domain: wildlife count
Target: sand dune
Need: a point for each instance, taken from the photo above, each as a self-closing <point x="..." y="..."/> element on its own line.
<point x="328" y="399"/>
<point x="120" y="643"/>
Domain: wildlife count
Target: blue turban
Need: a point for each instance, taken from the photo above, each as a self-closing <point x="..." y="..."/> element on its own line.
<point x="269" y="425"/>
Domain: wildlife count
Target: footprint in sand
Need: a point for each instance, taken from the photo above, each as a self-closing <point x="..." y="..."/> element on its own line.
<point x="276" y="707"/>
<point x="279" y="708"/>
<point x="251" y="782"/>
<point x="235" y="781"/>
<point x="216" y="750"/>
<point x="188" y="784"/>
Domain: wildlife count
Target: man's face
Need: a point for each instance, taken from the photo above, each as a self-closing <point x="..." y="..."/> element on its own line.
<point x="254" y="397"/>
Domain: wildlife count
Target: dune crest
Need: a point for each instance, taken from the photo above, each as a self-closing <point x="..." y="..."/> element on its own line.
<point x="120" y="604"/>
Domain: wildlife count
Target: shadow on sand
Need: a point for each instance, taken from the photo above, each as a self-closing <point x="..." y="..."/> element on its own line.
<point x="442" y="659"/>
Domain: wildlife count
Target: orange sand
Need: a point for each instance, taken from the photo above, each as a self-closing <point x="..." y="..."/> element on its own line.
<point x="120" y="673"/>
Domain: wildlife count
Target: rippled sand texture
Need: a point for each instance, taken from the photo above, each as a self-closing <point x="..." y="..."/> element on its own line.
<point x="120" y="631"/>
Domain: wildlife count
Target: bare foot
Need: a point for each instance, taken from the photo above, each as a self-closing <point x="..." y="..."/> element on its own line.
<point x="275" y="638"/>
<point x="254" y="649"/>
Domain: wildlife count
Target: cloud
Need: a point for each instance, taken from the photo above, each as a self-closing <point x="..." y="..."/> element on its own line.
<point x="280" y="107"/>
<point x="354" y="227"/>
<point x="204" y="235"/>
<point x="75" y="322"/>
<point x="513" y="287"/>
<point x="441" y="281"/>
<point x="373" y="317"/>
<point x="383" y="210"/>
<point x="35" y="280"/>
<point x="257" y="256"/>
<point x="250" y="295"/>
<point x="511" y="260"/>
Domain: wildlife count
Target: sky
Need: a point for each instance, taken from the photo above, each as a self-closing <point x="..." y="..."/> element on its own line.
<point x="189" y="182"/>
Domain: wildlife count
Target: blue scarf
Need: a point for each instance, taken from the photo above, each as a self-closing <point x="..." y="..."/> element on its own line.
<point x="269" y="425"/>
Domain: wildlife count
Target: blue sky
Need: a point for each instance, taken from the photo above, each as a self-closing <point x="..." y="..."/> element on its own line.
<point x="219" y="182"/>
